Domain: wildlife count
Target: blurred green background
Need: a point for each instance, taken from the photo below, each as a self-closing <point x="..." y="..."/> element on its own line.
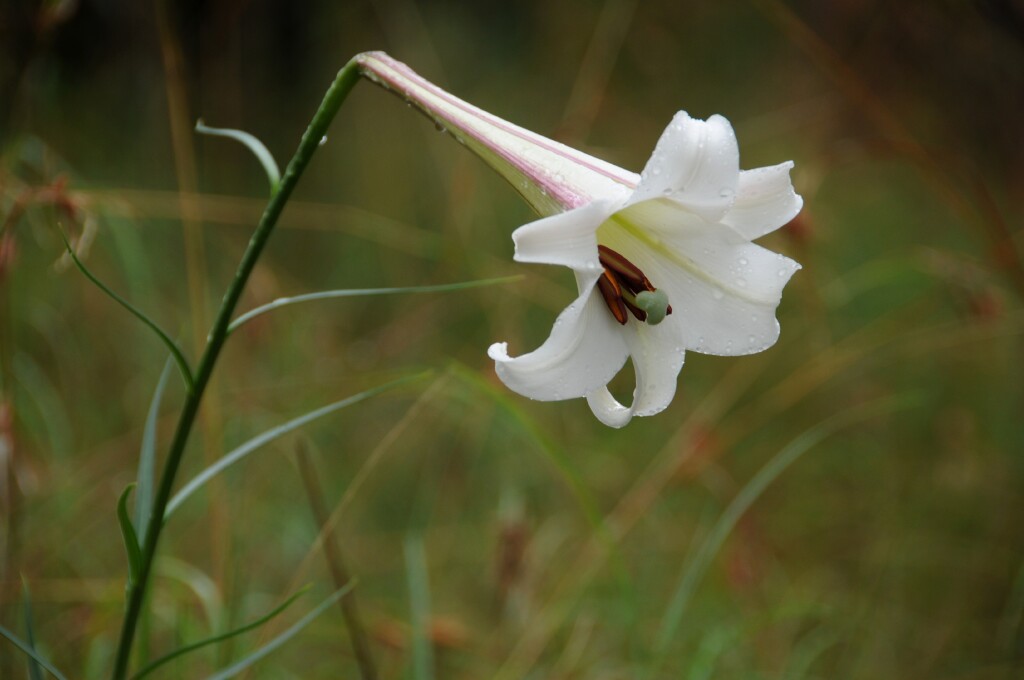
<point x="552" y="545"/>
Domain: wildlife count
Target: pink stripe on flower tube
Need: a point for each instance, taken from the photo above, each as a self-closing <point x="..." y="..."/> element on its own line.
<point x="551" y="176"/>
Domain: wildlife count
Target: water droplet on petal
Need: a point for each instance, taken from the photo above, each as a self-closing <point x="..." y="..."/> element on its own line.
<point x="717" y="294"/>
<point x="741" y="282"/>
<point x="744" y="262"/>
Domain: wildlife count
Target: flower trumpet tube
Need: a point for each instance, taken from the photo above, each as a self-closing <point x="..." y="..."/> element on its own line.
<point x="664" y="261"/>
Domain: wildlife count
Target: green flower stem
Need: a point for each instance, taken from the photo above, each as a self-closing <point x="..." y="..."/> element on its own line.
<point x="336" y="94"/>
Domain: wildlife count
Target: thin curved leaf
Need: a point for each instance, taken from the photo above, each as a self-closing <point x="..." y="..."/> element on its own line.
<point x="147" y="458"/>
<point x="360" y="292"/>
<point x="131" y="539"/>
<point x="179" y="357"/>
<point x="31" y="653"/>
<point x="35" y="670"/>
<point x="254" y="145"/>
<point x="789" y="454"/>
<point x="149" y="668"/>
<point x="1013" y="614"/>
<point x="419" y="604"/>
<point x="266" y="649"/>
<point x="43" y="407"/>
<point x="245" y="449"/>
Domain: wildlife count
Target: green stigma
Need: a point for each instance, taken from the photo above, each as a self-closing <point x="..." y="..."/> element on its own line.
<point x="655" y="303"/>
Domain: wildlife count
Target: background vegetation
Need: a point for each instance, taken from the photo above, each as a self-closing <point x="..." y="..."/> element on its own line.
<point x="551" y="545"/>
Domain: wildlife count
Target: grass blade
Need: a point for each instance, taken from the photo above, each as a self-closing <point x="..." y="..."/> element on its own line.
<point x="339" y="573"/>
<point x="808" y="650"/>
<point x="147" y="457"/>
<point x="48" y="415"/>
<point x="31" y="653"/>
<point x="179" y="357"/>
<point x="149" y="668"/>
<point x="698" y="566"/>
<point x="131" y="540"/>
<point x="1013" y="615"/>
<point x="419" y="603"/>
<point x="362" y="292"/>
<point x="562" y="463"/>
<point x="245" y="449"/>
<point x="254" y="145"/>
<point x="284" y="637"/>
<point x="35" y="671"/>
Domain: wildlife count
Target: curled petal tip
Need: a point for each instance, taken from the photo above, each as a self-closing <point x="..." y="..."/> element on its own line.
<point x="498" y="351"/>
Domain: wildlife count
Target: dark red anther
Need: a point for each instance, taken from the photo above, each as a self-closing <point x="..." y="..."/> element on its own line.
<point x="612" y="294"/>
<point x="620" y="273"/>
<point x="627" y="272"/>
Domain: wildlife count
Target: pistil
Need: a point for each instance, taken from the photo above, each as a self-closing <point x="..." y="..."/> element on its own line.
<point x="625" y="287"/>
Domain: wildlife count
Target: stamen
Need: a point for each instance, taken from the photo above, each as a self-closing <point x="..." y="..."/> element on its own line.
<point x="638" y="313"/>
<point x="628" y="273"/>
<point x="612" y="294"/>
<point x="625" y="287"/>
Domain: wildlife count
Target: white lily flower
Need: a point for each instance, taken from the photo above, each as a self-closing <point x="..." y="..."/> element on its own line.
<point x="664" y="261"/>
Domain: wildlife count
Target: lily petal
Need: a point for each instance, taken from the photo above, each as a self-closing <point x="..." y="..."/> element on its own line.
<point x="568" y="239"/>
<point x="697" y="163"/>
<point x="584" y="351"/>
<point x="608" y="409"/>
<point x="723" y="289"/>
<point x="551" y="176"/>
<point x="657" y="355"/>
<point x="765" y="200"/>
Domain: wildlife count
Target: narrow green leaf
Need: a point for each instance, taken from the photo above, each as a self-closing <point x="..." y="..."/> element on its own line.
<point x="284" y="637"/>
<point x="254" y="145"/>
<point x="42" y="409"/>
<point x="35" y="671"/>
<point x="179" y="357"/>
<point x="245" y="449"/>
<point x="1013" y="615"/>
<point x="147" y="458"/>
<point x="131" y="540"/>
<point x="361" y="292"/>
<point x="27" y="649"/>
<point x="698" y="566"/>
<point x="149" y="668"/>
<point x="207" y="592"/>
<point x="808" y="650"/>
<point x="419" y="603"/>
<point x="712" y="645"/>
